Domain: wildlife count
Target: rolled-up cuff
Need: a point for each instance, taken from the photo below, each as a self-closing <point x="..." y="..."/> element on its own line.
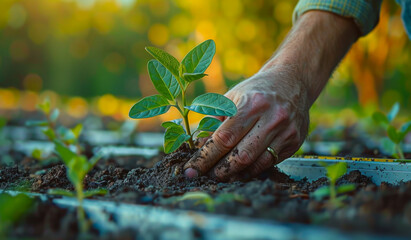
<point x="364" y="12"/>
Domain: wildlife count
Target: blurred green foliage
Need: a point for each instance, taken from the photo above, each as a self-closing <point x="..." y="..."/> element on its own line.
<point x="93" y="47"/>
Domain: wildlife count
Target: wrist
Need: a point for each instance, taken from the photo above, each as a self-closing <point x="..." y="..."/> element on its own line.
<point x="313" y="48"/>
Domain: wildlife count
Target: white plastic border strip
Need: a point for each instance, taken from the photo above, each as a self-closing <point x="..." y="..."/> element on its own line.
<point x="180" y="224"/>
<point x="390" y="172"/>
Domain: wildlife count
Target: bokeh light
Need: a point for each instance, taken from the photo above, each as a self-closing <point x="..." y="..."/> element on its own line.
<point x="88" y="55"/>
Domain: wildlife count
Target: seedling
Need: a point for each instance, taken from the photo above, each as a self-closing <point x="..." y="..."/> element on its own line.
<point x="395" y="136"/>
<point x="207" y="200"/>
<point x="334" y="172"/>
<point x="53" y="132"/>
<point x="77" y="168"/>
<point x="171" y="79"/>
<point x="12" y="209"/>
<point x="77" y="165"/>
<point x="3" y="122"/>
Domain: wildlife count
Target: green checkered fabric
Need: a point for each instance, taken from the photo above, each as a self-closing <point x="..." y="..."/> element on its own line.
<point x="364" y="12"/>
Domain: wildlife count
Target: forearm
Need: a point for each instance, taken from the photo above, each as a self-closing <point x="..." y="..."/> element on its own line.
<point x="313" y="48"/>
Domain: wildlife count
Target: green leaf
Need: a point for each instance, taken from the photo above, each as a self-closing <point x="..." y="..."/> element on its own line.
<point x="149" y="107"/>
<point x="66" y="135"/>
<point x="36" y="153"/>
<point x="200" y="57"/>
<point x="213" y="104"/>
<point x="36" y="123"/>
<point x="393" y="134"/>
<point x="380" y="118"/>
<point x="165" y="59"/>
<point x="346" y="188"/>
<point x="77" y="130"/>
<point x="100" y="191"/>
<point x="3" y="122"/>
<point x="64" y="152"/>
<point x="195" y="196"/>
<point x="174" y="137"/>
<point x="77" y="169"/>
<point x="93" y="161"/>
<point x="388" y="146"/>
<point x="54" y="115"/>
<point x="12" y="208"/>
<point x="170" y="124"/>
<point x="163" y="80"/>
<point x="203" y="198"/>
<point x="203" y="134"/>
<point x="191" y="77"/>
<point x="209" y="124"/>
<point x="404" y="130"/>
<point x="49" y="133"/>
<point x="393" y="112"/>
<point x="321" y="192"/>
<point x="45" y="106"/>
<point x="61" y="192"/>
<point x="335" y="171"/>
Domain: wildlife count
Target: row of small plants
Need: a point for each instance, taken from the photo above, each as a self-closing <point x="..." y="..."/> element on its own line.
<point x="171" y="79"/>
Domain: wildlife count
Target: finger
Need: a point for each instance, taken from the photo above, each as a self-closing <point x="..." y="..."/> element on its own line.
<point x="201" y="141"/>
<point x="221" y="142"/>
<point x="265" y="161"/>
<point x="245" y="154"/>
<point x="274" y="128"/>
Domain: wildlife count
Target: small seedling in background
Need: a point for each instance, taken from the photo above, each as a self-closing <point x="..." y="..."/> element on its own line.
<point x="77" y="168"/>
<point x="53" y="132"/>
<point x="12" y="209"/>
<point x="395" y="137"/>
<point x="171" y="79"/>
<point x="334" y="172"/>
<point x="77" y="165"/>
<point x="207" y="200"/>
<point x="3" y="122"/>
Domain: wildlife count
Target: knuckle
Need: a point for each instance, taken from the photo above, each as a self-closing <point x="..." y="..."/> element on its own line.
<point x="282" y="114"/>
<point x="293" y="134"/>
<point x="225" y="139"/>
<point x="244" y="158"/>
<point x="259" y="102"/>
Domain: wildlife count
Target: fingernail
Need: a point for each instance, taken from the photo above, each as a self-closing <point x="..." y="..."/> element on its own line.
<point x="190" y="173"/>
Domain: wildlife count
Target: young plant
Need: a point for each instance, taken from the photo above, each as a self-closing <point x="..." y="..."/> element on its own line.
<point x="3" y="122"/>
<point x="334" y="172"/>
<point x="207" y="200"/>
<point x="77" y="168"/>
<point x="395" y="136"/>
<point x="12" y="209"/>
<point x="77" y="165"/>
<point x="171" y="79"/>
<point x="52" y="131"/>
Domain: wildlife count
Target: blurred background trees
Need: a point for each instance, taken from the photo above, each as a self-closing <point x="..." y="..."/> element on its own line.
<point x="89" y="54"/>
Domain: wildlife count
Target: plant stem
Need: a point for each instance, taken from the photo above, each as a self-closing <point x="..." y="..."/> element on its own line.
<point x="187" y="125"/>
<point x="81" y="217"/>
<point x="185" y="112"/>
<point x="333" y="193"/>
<point x="399" y="151"/>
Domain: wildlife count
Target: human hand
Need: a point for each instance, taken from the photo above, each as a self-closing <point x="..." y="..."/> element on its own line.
<point x="273" y="104"/>
<point x="272" y="112"/>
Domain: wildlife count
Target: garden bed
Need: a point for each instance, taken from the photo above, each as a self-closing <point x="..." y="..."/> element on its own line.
<point x="380" y="204"/>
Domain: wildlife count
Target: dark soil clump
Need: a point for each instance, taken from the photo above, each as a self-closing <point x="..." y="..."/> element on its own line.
<point x="274" y="196"/>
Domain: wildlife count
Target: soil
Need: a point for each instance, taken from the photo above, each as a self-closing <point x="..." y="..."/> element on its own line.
<point x="384" y="209"/>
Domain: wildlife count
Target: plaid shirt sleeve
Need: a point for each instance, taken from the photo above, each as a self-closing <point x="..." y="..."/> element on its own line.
<point x="364" y="12"/>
